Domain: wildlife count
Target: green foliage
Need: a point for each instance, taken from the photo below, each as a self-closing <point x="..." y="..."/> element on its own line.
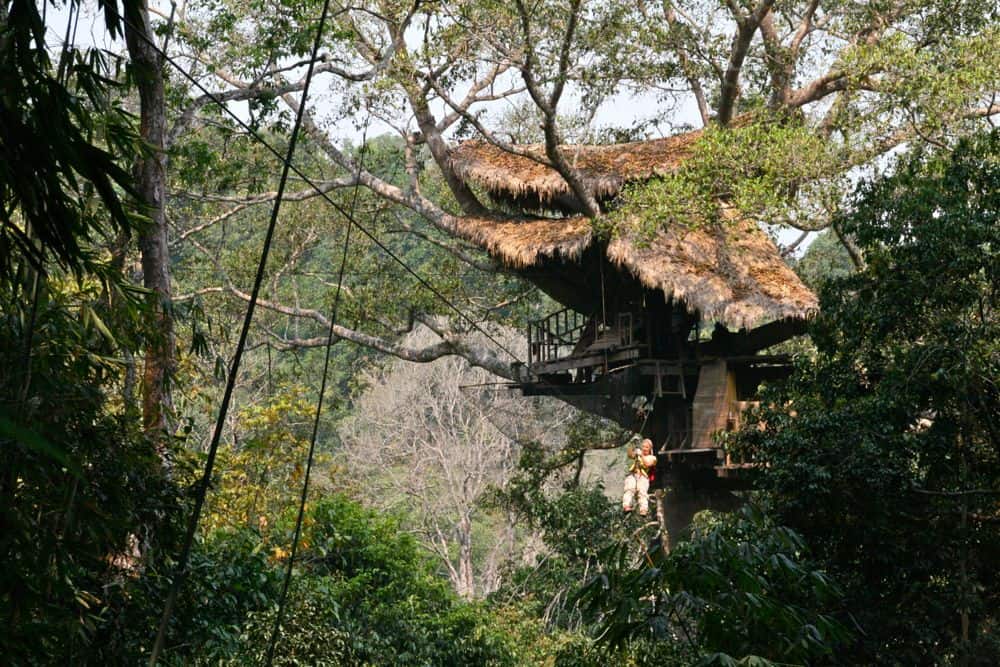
<point x="229" y="576"/>
<point x="741" y="591"/>
<point x="883" y="452"/>
<point x="83" y="493"/>
<point x="576" y="525"/>
<point x="85" y="496"/>
<point x="368" y="595"/>
<point x="825" y="259"/>
<point x="89" y="508"/>
<point x="755" y="166"/>
<point x="260" y="473"/>
<point x="363" y="593"/>
<point x="935" y="83"/>
<point x="62" y="137"/>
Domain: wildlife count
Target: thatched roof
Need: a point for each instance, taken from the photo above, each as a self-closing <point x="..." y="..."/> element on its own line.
<point x="604" y="169"/>
<point x="729" y="272"/>
<point x="526" y="242"/>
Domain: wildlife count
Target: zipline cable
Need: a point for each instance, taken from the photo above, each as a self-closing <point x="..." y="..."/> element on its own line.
<point x="181" y="570"/>
<point x="348" y="215"/>
<point x="315" y="429"/>
<point x="308" y="181"/>
<point x="286" y="167"/>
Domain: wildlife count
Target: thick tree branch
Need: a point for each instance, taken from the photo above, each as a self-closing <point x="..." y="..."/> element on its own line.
<point x="685" y="62"/>
<point x="428" y="125"/>
<point x="790" y="248"/>
<point x="451" y="343"/>
<point x="852" y="249"/>
<point x="746" y="27"/>
<point x="465" y="254"/>
<point x="778" y="62"/>
<point x="410" y="199"/>
<point x="450" y="346"/>
<point x="548" y="105"/>
<point x="151" y="184"/>
<point x="835" y="80"/>
<point x="409" y="80"/>
<point x="817" y="89"/>
<point x="805" y="27"/>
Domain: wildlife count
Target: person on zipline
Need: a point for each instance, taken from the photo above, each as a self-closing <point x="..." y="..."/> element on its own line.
<point x="637" y="482"/>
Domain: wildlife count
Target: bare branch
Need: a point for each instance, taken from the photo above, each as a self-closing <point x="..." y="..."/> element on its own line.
<point x="804" y="28"/>
<point x="191" y="296"/>
<point x="564" y="51"/>
<point x="243" y="92"/>
<point x="548" y="106"/>
<point x="450" y="346"/>
<point x="473" y="96"/>
<point x="984" y="112"/>
<point x="682" y="55"/>
<point x="483" y="130"/>
<point x="263" y="198"/>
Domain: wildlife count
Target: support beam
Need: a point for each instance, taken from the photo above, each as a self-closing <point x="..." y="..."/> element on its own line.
<point x="726" y="343"/>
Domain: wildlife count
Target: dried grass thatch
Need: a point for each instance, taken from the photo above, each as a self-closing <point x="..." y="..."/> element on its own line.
<point x="525" y="242"/>
<point x="604" y="169"/>
<point x="729" y="272"/>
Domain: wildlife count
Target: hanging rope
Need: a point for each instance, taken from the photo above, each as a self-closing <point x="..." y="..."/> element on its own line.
<point x="181" y="571"/>
<point x="276" y="630"/>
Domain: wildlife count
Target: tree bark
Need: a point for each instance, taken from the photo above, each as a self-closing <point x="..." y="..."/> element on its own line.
<point x="747" y="26"/>
<point x="466" y="583"/>
<point x="150" y="177"/>
<point x="439" y="150"/>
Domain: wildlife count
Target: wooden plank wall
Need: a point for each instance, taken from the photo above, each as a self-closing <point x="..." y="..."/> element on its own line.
<point x="714" y="401"/>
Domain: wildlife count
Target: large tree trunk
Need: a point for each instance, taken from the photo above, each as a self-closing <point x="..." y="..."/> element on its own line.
<point x="150" y="176"/>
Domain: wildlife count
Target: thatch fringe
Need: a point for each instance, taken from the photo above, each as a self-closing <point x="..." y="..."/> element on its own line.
<point x="524" y="242"/>
<point x="729" y="272"/>
<point x="603" y="169"/>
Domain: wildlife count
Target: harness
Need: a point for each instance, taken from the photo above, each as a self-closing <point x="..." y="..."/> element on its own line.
<point x="638" y="467"/>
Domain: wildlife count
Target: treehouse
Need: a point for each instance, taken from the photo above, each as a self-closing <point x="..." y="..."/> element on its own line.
<point x="683" y="318"/>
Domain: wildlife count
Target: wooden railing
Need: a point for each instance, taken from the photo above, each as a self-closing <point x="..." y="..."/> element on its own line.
<point x="555" y="336"/>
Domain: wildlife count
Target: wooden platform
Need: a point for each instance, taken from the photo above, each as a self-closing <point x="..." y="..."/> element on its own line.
<point x="706" y="467"/>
